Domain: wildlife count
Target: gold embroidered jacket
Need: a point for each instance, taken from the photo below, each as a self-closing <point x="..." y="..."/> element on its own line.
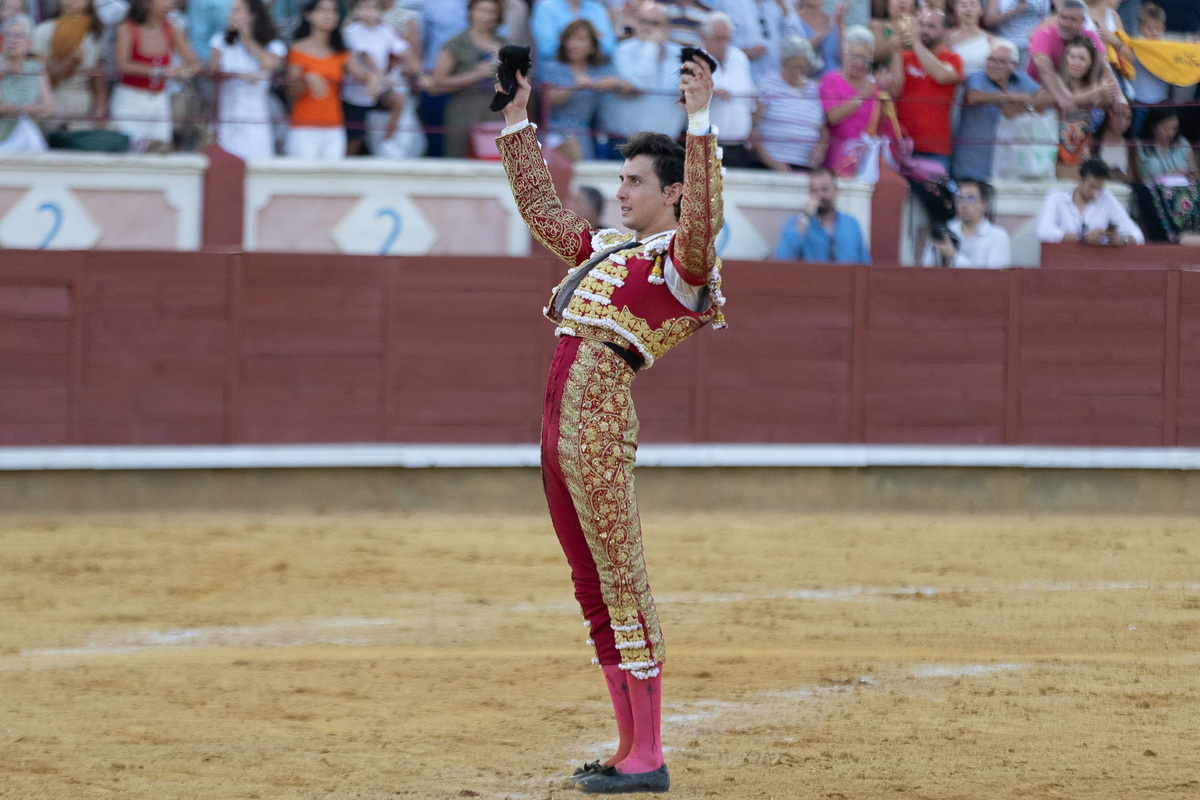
<point x="624" y="298"/>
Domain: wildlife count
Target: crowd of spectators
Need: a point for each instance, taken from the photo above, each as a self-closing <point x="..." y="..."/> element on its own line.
<point x="957" y="92"/>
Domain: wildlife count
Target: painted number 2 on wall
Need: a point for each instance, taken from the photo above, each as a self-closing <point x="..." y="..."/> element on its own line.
<point x="55" y="212"/>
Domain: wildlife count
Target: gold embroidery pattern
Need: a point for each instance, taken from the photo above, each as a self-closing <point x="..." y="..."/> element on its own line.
<point x="597" y="445"/>
<point x="702" y="212"/>
<point x="559" y="230"/>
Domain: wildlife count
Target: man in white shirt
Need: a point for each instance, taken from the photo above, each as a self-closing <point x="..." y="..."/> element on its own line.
<point x="734" y="94"/>
<point x="970" y="239"/>
<point x="759" y="28"/>
<point x="650" y="63"/>
<point x="1089" y="214"/>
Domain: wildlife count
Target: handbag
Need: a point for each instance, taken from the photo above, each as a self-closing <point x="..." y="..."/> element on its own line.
<point x="1026" y="147"/>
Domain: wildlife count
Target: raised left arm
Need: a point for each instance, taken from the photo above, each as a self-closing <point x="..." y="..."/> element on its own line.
<point x="693" y="249"/>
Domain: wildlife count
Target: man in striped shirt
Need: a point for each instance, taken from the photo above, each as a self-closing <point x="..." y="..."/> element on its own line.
<point x="687" y="17"/>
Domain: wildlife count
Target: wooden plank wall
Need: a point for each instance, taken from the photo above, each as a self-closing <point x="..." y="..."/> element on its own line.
<point x="205" y="348"/>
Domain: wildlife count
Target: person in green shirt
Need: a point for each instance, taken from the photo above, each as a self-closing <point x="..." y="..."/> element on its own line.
<point x="24" y="87"/>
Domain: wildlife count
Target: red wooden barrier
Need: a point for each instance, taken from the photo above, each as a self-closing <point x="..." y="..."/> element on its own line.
<point x="202" y="348"/>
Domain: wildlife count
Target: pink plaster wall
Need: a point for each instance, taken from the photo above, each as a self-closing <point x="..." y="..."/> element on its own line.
<point x="301" y="223"/>
<point x="131" y="220"/>
<point x="459" y="220"/>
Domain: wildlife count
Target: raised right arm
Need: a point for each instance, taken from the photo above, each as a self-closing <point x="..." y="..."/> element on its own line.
<point x="560" y="231"/>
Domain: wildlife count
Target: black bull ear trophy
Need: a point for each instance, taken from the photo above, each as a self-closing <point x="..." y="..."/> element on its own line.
<point x="694" y="54"/>
<point x="513" y="59"/>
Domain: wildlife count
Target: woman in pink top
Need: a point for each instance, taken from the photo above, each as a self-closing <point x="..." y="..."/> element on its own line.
<point x="849" y="97"/>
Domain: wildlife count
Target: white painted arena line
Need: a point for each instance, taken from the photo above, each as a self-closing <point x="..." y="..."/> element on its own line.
<point x="356" y="631"/>
<point x="458" y="456"/>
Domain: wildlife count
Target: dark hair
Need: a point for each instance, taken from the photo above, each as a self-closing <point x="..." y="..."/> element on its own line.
<point x="1108" y="116"/>
<point x="304" y="29"/>
<point x="263" y="28"/>
<point x="593" y="197"/>
<point x="139" y="12"/>
<point x="823" y="171"/>
<point x="96" y="26"/>
<point x="596" y="57"/>
<point x="1154" y="117"/>
<point x="1093" y="168"/>
<point x="1097" y="67"/>
<point x="499" y="8"/>
<point x="667" y="154"/>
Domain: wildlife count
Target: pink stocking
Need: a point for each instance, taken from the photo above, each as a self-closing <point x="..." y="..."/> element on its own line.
<point x="618" y="690"/>
<point x="645" y="700"/>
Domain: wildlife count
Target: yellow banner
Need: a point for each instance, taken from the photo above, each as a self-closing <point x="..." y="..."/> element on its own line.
<point x="1177" y="63"/>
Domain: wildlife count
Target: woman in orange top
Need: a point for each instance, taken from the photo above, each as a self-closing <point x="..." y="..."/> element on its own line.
<point x="316" y="64"/>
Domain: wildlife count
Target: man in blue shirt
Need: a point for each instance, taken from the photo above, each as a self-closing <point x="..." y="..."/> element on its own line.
<point x="821" y="232"/>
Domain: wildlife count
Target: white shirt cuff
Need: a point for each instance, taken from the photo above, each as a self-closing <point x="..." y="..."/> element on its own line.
<point x="698" y="124"/>
<point x="516" y="126"/>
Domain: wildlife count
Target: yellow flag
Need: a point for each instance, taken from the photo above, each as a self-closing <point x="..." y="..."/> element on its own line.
<point x="1177" y="63"/>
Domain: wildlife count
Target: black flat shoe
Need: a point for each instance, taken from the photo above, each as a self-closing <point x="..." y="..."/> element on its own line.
<point x="590" y="768"/>
<point x="609" y="781"/>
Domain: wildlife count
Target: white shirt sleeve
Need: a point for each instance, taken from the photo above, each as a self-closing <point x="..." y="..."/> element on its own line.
<point x="691" y="296"/>
<point x="1051" y="222"/>
<point x="1120" y="217"/>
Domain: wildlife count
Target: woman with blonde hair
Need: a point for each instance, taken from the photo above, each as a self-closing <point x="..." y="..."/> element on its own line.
<point x="71" y="45"/>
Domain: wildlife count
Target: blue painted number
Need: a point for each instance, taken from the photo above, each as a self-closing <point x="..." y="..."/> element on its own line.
<point x="394" y="234"/>
<point x="56" y="210"/>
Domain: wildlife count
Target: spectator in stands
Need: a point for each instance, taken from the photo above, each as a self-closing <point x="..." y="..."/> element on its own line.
<point x="1015" y="20"/>
<point x="1082" y="76"/>
<point x="378" y="48"/>
<point x="650" y="64"/>
<point x="758" y="28"/>
<point x="790" y="132"/>
<point x="999" y="90"/>
<point x="734" y="92"/>
<point x="1089" y="214"/>
<point x="550" y="17"/>
<point x="317" y="64"/>
<point x="971" y="42"/>
<point x="820" y="232"/>
<point x="146" y="43"/>
<point x="246" y="56"/>
<point x="205" y="20"/>
<point x="441" y="21"/>
<point x="849" y="97"/>
<point x="576" y="82"/>
<point x="1148" y="88"/>
<point x="1102" y="15"/>
<point x="24" y="89"/>
<point x="970" y="239"/>
<point x="931" y="73"/>
<point x="687" y="17"/>
<point x="1163" y="152"/>
<point x="1183" y="16"/>
<point x="70" y="45"/>
<point x="1111" y="143"/>
<point x="823" y="31"/>
<point x="466" y="67"/>
<point x="889" y="20"/>
<point x="1046" y="48"/>
<point x="587" y="203"/>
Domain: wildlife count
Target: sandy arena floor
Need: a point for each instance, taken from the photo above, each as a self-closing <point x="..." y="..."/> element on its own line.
<point x="209" y="656"/>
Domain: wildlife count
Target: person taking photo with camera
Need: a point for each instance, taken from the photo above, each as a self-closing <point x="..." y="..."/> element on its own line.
<point x="970" y="239"/>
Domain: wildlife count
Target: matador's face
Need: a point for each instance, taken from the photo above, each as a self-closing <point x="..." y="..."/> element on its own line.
<point x="646" y="207"/>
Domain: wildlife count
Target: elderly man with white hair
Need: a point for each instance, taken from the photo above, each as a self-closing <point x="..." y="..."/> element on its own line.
<point x="734" y="92"/>
<point x="24" y="89"/>
<point x="997" y="90"/>
<point x="759" y="27"/>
